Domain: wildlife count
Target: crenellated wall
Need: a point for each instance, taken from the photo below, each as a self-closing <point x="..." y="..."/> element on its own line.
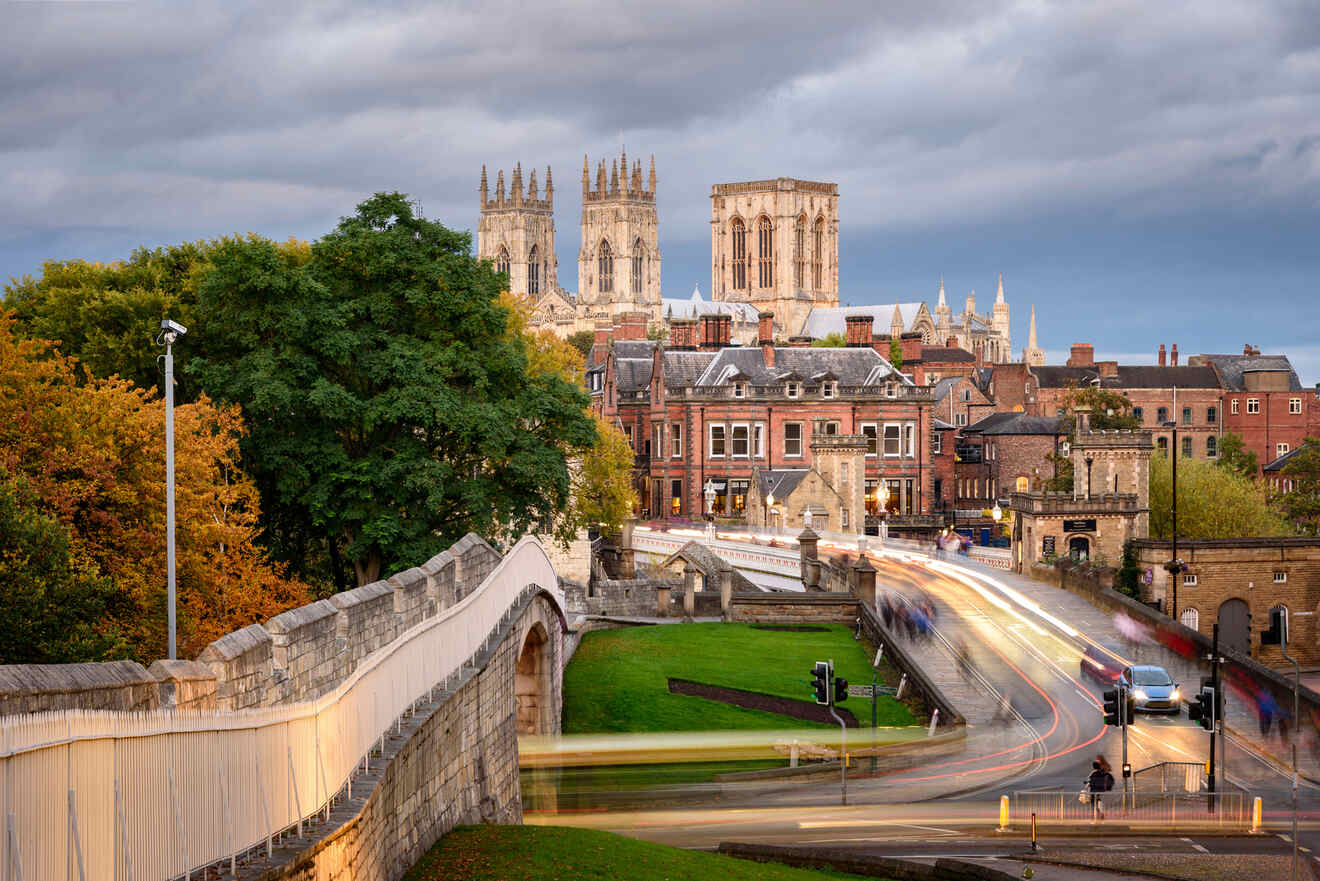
<point x="299" y="654"/>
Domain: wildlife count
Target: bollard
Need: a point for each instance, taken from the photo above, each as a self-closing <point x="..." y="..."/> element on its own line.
<point x="1003" y="813"/>
<point x="1255" y="814"/>
<point x="1033" y="831"/>
<point x="934" y="720"/>
<point x="793" y="755"/>
<point x="902" y="683"/>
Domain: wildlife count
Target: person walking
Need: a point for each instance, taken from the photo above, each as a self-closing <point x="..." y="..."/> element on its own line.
<point x="1265" y="707"/>
<point x="1099" y="782"/>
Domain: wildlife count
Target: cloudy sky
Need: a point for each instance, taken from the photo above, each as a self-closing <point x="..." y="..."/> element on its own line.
<point x="1141" y="172"/>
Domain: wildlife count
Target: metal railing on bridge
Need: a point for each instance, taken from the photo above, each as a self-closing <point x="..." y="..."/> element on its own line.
<point x="102" y="796"/>
<point x="1158" y="810"/>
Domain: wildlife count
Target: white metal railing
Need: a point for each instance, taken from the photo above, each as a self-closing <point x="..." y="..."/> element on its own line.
<point x="106" y="796"/>
<point x="1164" y="810"/>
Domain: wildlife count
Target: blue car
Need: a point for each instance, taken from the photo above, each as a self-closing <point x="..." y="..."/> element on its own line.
<point x="1153" y="690"/>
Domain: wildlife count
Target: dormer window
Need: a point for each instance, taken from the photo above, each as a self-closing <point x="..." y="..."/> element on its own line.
<point x="891" y="390"/>
<point x="791" y="389"/>
<point x="827" y="389"/>
<point x="740" y="389"/>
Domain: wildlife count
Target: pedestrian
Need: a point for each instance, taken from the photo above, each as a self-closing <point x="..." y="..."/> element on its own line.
<point x="1099" y="782"/>
<point x="1265" y="707"/>
<point x="887" y="610"/>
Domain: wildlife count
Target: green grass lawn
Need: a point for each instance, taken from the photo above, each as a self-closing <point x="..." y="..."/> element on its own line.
<point x="618" y="679"/>
<point x="545" y="853"/>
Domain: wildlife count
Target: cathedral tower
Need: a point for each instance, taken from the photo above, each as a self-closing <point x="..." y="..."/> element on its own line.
<point x="517" y="233"/>
<point x="775" y="244"/>
<point x="943" y="319"/>
<point x="1033" y="355"/>
<point x="999" y="323"/>
<point x="619" y="262"/>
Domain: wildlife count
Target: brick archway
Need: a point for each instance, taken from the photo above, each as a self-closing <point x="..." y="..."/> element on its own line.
<point x="532" y="691"/>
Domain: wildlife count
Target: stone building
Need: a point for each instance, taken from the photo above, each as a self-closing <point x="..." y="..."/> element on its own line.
<point x="1109" y="504"/>
<point x="1235" y="583"/>
<point x="700" y="411"/>
<point x="775" y="244"/>
<point x="516" y="232"/>
<point x="619" y="261"/>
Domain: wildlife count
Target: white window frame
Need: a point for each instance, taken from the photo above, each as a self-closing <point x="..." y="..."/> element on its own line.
<point x="1280" y="449"/>
<point x="1189" y="579"/>
<point x="874" y="437"/>
<point x="959" y="419"/>
<point x="710" y="441"/>
<point x="843" y="518"/>
<point x="1233" y="406"/>
<point x="740" y="389"/>
<point x="733" y="440"/>
<point x="758" y="440"/>
<point x="658" y="440"/>
<point x="937" y="443"/>
<point x="898" y="440"/>
<point x="1294" y="406"/>
<point x="1253" y="405"/>
<point x="891" y="390"/>
<point x="791" y="390"/>
<point x="798" y="454"/>
<point x="676" y="440"/>
<point x="909" y="441"/>
<point x="1280" y="577"/>
<point x="828" y="388"/>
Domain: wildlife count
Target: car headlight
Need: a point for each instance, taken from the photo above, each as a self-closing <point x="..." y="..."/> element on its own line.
<point x="1139" y="694"/>
<point x="1176" y="696"/>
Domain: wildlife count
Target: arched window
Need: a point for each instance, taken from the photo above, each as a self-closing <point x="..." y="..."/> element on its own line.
<point x="800" y="252"/>
<point x="534" y="271"/>
<point x="739" y="232"/>
<point x="1211" y="447"/>
<point x="606" y="267"/>
<point x="502" y="260"/>
<point x="765" y="236"/>
<point x="1190" y="619"/>
<point x="638" y="255"/>
<point x="1022" y="485"/>
<point x="818" y="254"/>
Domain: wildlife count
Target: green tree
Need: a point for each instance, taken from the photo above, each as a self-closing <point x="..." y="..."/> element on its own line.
<point x="603" y="493"/>
<point x="386" y="403"/>
<point x="582" y="340"/>
<point x="52" y="609"/>
<point x="1234" y="456"/>
<point x="1129" y="573"/>
<point x="1301" y="504"/>
<point x="895" y="354"/>
<point x="1110" y="410"/>
<point x="1213" y="502"/>
<point x="832" y="340"/>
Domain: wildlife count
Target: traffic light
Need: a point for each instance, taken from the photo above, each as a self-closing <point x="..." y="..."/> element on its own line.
<point x="1278" y="632"/>
<point x="840" y="689"/>
<point x="820" y="682"/>
<point x="1203" y="710"/>
<point x="1114" y="701"/>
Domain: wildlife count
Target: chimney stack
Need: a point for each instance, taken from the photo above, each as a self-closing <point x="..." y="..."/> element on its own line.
<point x="858" y="330"/>
<point x="799" y="342"/>
<point x="1083" y="355"/>
<point x="600" y="345"/>
<point x="765" y="337"/>
<point x="1161" y="354"/>
<point x="1173" y="355"/>
<point x="1083" y="419"/>
<point x="910" y="345"/>
<point x="714" y="332"/>
<point x="632" y="326"/>
<point x="683" y="333"/>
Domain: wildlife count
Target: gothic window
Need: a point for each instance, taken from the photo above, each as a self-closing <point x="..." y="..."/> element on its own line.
<point x="818" y="254"/>
<point x="637" y="256"/>
<point x="765" y="235"/>
<point x="800" y="252"/>
<point x="739" y="255"/>
<point x="533" y="272"/>
<point x="606" y="269"/>
<point x="502" y="260"/>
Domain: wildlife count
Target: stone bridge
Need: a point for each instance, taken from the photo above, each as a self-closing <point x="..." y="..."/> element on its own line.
<point x="340" y="739"/>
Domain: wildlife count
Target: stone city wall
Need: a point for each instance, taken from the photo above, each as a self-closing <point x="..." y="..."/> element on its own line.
<point x="299" y="654"/>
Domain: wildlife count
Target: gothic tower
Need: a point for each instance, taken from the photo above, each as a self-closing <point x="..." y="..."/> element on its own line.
<point x="943" y="319"/>
<point x="999" y="323"/>
<point x="1033" y="355"/>
<point x="619" y="262"/>
<point x="517" y="233"/>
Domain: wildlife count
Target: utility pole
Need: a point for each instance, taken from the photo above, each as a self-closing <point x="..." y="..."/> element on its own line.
<point x="1123" y="697"/>
<point x="1217" y="702"/>
<point x="1297" y="678"/>
<point x="170" y="331"/>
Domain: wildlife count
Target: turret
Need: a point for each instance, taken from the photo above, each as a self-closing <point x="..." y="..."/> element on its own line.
<point x="637" y="176"/>
<point x="517" y="185"/>
<point x="614" y="178"/>
<point x="586" y="176"/>
<point x="499" y="188"/>
<point x="549" y="189"/>
<point x="971" y="304"/>
<point x="652" y="188"/>
<point x="896" y="324"/>
<point x="484" y="192"/>
<point x="532" y="193"/>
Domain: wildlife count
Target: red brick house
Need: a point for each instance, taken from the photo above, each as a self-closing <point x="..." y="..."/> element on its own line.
<point x="1264" y="402"/>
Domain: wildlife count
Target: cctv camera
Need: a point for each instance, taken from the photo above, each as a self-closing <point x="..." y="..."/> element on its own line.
<point x="173" y="327"/>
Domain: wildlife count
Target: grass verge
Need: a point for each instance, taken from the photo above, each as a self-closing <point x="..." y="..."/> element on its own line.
<point x="546" y="853"/>
<point x="618" y="679"/>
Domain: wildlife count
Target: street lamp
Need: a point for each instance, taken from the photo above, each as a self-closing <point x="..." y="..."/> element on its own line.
<point x="882" y="496"/>
<point x="769" y="504"/>
<point x="998" y="514"/>
<point x="169" y="332"/>
<point x="1174" y="566"/>
<point x="710" y="510"/>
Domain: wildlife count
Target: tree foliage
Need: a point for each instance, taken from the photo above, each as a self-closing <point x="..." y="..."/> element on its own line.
<point x="1110" y="410"/>
<point x="91" y="454"/>
<point x="387" y="402"/>
<point x="1301" y="504"/>
<point x="582" y="340"/>
<point x="896" y="354"/>
<point x="1213" y="502"/>
<point x="603" y="491"/>
<point x="832" y="340"/>
<point x="1234" y="456"/>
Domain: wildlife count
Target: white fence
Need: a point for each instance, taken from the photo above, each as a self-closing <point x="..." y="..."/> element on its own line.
<point x="100" y="796"/>
<point x="1157" y="810"/>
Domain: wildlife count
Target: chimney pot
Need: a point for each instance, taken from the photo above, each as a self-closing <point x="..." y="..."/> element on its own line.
<point x="1083" y="355"/>
<point x="799" y="342"/>
<point x="1173" y="355"/>
<point x="858" y="330"/>
<point x="1161" y="354"/>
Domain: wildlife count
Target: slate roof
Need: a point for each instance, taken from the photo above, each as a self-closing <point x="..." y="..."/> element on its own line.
<point x="682" y="369"/>
<point x="709" y="563"/>
<point x="1231" y="368"/>
<point x="1277" y="464"/>
<point x="822" y="322"/>
<point x="941" y="425"/>
<point x="1014" y="423"/>
<point x="632" y="374"/>
<point x="945" y="354"/>
<point x="945" y="386"/>
<point x="696" y="305"/>
<point x="860" y="366"/>
<point x="781" y="482"/>
<point x="1182" y="376"/>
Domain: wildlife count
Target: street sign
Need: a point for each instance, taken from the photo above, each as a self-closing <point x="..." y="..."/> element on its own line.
<point x="1086" y="524"/>
<point x="865" y="690"/>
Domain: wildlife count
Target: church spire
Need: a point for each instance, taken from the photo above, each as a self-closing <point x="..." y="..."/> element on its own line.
<point x="1031" y="329"/>
<point x="652" y="174"/>
<point x="484" y="189"/>
<point x="999" y="295"/>
<point x="942" y="304"/>
<point x="549" y="188"/>
<point x="614" y="177"/>
<point x="499" y="187"/>
<point x="896" y="324"/>
<point x="586" y="176"/>
<point x="517" y="184"/>
<point x="533" y="194"/>
<point x="623" y="163"/>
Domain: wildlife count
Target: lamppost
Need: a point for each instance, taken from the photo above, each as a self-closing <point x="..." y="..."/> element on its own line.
<point x="769" y="506"/>
<point x="998" y="514"/>
<point x="710" y="510"/>
<point x="882" y="496"/>
<point x="169" y="332"/>
<point x="1174" y="566"/>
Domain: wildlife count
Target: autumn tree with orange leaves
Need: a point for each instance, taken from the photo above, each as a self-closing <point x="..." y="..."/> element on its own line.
<point x="89" y="454"/>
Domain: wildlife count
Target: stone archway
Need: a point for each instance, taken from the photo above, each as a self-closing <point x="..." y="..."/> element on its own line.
<point x="1235" y="626"/>
<point x="1079" y="548"/>
<point x="532" y="694"/>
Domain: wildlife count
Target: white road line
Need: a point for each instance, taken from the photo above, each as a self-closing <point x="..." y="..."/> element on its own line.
<point x="1195" y="845"/>
<point x="843" y="823"/>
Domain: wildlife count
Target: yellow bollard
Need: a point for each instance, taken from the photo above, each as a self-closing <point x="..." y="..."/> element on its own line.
<point x="1003" y="812"/>
<point x="1255" y="814"/>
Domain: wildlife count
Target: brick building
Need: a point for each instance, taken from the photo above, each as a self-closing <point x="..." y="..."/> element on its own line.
<point x="959" y="401"/>
<point x="1264" y="402"/>
<point x="1235" y="583"/>
<point x="700" y="411"/>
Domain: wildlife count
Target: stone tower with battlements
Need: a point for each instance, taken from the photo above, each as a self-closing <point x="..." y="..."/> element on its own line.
<point x="516" y="232"/>
<point x="619" y="262"/>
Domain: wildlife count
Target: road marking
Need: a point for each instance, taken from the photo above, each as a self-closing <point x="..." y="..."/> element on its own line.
<point x="826" y="824"/>
<point x="1195" y="845"/>
<point x="1304" y="849"/>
